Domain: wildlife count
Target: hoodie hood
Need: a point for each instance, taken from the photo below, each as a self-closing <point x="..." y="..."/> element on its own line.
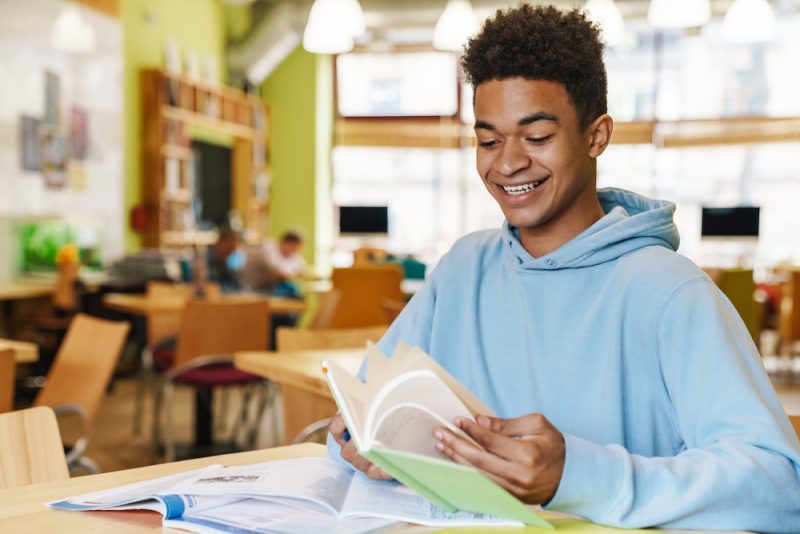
<point x="631" y="222"/>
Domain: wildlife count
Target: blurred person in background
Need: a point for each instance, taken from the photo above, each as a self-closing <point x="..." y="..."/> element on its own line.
<point x="271" y="266"/>
<point x="222" y="268"/>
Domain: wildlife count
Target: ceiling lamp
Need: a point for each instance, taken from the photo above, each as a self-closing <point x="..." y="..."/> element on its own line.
<point x="456" y="24"/>
<point x="332" y="25"/>
<point x="678" y="13"/>
<point x="73" y="34"/>
<point x="606" y="14"/>
<point x="749" y="21"/>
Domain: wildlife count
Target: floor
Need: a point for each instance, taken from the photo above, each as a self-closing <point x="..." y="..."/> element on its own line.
<point x="115" y="446"/>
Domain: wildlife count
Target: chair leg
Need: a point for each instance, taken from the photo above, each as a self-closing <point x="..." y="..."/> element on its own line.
<point x="85" y="464"/>
<point x="169" y="430"/>
<point x="224" y="397"/>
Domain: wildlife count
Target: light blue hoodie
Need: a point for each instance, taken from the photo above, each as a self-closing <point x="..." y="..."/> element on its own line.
<point x="633" y="353"/>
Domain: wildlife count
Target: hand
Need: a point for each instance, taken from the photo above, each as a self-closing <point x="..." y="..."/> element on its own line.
<point x="348" y="451"/>
<point x="524" y="455"/>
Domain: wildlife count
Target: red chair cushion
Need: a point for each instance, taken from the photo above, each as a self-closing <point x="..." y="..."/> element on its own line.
<point x="163" y="358"/>
<point x="216" y="375"/>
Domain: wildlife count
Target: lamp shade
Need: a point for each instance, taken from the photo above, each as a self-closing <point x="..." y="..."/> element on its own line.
<point x="73" y="34"/>
<point x="331" y="26"/>
<point x="456" y="24"/>
<point x="749" y="21"/>
<point x="607" y="15"/>
<point x="678" y="13"/>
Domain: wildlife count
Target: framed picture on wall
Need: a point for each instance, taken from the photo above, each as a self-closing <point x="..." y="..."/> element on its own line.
<point x="29" y="144"/>
<point x="52" y="97"/>
<point x="54" y="160"/>
<point x="79" y="133"/>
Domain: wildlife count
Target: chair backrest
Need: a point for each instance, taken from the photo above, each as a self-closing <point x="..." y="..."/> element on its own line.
<point x="304" y="339"/>
<point x="392" y="308"/>
<point x="363" y="289"/>
<point x="326" y="308"/>
<point x="795" y="420"/>
<point x="8" y="373"/>
<point x="30" y="448"/>
<point x="368" y="255"/>
<point x="789" y="317"/>
<point x="84" y="364"/>
<point x="215" y="327"/>
<point x="738" y="285"/>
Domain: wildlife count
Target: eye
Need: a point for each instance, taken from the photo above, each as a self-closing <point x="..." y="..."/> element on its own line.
<point x="487" y="144"/>
<point x="539" y="140"/>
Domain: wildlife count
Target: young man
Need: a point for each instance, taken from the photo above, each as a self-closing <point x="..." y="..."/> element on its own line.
<point x="271" y="265"/>
<point x="628" y="389"/>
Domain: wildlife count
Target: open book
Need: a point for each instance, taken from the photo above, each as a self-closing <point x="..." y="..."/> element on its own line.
<point x="300" y="495"/>
<point x="391" y="418"/>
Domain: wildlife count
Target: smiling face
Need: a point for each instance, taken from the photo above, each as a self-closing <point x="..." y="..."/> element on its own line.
<point x="536" y="161"/>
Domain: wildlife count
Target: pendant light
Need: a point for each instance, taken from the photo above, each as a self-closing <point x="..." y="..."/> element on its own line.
<point x="332" y="26"/>
<point x="456" y="24"/>
<point x="606" y="14"/>
<point x="678" y="13"/>
<point x="73" y="34"/>
<point x="749" y="21"/>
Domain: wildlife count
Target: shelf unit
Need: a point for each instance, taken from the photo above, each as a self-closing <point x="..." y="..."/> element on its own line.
<point x="172" y="107"/>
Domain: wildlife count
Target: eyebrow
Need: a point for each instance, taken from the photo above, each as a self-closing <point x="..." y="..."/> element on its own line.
<point x="524" y="121"/>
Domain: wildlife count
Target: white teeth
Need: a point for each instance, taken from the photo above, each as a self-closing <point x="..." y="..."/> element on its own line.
<point x="520" y="189"/>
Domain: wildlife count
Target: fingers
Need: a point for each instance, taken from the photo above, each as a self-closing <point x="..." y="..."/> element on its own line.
<point x="461" y="451"/>
<point x="526" y="425"/>
<point x="337" y="427"/>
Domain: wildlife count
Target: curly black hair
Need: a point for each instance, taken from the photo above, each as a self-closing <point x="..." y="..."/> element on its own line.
<point x="542" y="43"/>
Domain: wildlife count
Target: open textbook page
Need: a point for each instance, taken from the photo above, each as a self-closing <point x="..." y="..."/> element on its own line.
<point x="324" y="486"/>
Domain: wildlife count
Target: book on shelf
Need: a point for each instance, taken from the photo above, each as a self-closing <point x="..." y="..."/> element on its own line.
<point x="172" y="174"/>
<point x="298" y="495"/>
<point x="391" y="418"/>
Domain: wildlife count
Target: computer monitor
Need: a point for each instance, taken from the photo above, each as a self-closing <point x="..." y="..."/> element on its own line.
<point x="739" y="222"/>
<point x="361" y="220"/>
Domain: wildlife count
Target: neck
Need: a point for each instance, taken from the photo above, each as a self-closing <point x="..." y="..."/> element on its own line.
<point x="552" y="235"/>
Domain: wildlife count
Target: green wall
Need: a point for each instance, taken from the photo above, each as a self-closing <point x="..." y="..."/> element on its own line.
<point x="197" y="25"/>
<point x="299" y="97"/>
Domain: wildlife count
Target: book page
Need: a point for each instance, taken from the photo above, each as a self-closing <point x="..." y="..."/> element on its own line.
<point x="419" y="388"/>
<point x="416" y="358"/>
<point x="348" y="392"/>
<point x="409" y="428"/>
<point x="392" y="500"/>
<point x="129" y="493"/>
<point x="378" y="366"/>
<point x="320" y="480"/>
<point x="253" y="515"/>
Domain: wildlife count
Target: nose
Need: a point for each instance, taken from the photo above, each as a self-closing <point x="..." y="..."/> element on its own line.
<point x="512" y="158"/>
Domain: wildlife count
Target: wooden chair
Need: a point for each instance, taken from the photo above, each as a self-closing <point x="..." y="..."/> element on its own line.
<point x="210" y="332"/>
<point x="30" y="448"/>
<point x="79" y="377"/>
<point x="8" y="373"/>
<point x="789" y="313"/>
<point x="392" y="308"/>
<point x="326" y="308"/>
<point x="306" y="415"/>
<point x="363" y="290"/>
<point x="795" y="420"/>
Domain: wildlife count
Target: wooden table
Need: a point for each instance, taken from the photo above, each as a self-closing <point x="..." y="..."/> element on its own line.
<point x="304" y="391"/>
<point x="22" y="509"/>
<point x="24" y="351"/>
<point x="143" y="305"/>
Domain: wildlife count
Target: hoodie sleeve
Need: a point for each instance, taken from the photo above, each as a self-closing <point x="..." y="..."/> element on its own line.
<point x="739" y="467"/>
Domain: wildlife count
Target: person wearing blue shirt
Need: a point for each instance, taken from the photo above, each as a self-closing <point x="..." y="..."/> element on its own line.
<point x="627" y="387"/>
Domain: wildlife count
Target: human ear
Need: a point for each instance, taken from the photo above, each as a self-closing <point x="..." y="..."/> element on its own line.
<point x="600" y="134"/>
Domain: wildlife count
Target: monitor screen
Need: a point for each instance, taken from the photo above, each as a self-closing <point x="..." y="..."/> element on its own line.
<point x="363" y="220"/>
<point x="739" y="221"/>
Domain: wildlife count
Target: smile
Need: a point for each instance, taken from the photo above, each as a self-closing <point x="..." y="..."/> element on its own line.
<point x="523" y="188"/>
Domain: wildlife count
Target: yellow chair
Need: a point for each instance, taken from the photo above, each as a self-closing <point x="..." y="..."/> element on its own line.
<point x="306" y="415"/>
<point x="30" y="448"/>
<point x="789" y="314"/>
<point x="740" y="288"/>
<point x="363" y="291"/>
<point x="79" y="377"/>
<point x="8" y="373"/>
<point x="795" y="420"/>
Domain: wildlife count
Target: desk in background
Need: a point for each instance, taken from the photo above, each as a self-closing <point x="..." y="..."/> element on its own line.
<point x="304" y="391"/>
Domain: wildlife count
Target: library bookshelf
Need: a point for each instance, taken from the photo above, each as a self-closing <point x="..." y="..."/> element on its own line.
<point x="173" y="107"/>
